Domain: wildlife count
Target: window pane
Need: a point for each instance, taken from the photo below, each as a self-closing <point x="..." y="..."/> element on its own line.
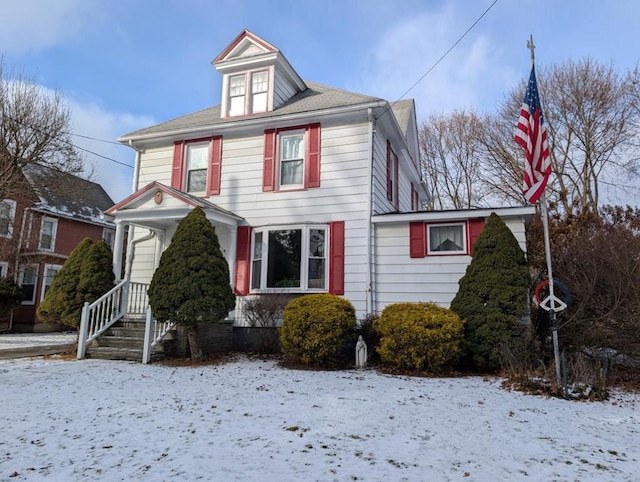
<point x="28" y="284"/>
<point x="291" y="172"/>
<point x="283" y="264"/>
<point x="256" y="271"/>
<point x="316" y="243"/>
<point x="5" y="218"/>
<point x="236" y="85"/>
<point x="236" y="105"/>
<point x="316" y="273"/>
<point x="48" y="277"/>
<point x="292" y="147"/>
<point x="259" y="102"/>
<point x="197" y="180"/>
<point x="446" y="238"/>
<point x="46" y="235"/>
<point x="197" y="156"/>
<point x="259" y="82"/>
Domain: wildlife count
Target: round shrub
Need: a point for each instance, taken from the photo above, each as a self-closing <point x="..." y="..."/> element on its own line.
<point x="419" y="336"/>
<point x="315" y="327"/>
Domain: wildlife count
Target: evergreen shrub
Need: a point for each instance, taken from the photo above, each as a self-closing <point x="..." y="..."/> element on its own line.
<point x="419" y="336"/>
<point x="492" y="297"/>
<point x="315" y="327"/>
<point x="10" y="295"/>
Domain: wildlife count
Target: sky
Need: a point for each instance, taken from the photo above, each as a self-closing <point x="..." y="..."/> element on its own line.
<point x="250" y="419"/>
<point x="124" y="65"/>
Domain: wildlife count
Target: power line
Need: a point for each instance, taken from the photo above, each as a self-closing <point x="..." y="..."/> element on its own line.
<point x="71" y="143"/>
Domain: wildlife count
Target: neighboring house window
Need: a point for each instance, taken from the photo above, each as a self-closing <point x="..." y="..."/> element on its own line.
<point x="48" y="234"/>
<point x="444" y="238"/>
<point x="4" y="269"/>
<point x="197" y="165"/>
<point x="392" y="176"/>
<point x="50" y="270"/>
<point x="239" y="103"/>
<point x="290" y="258"/>
<point x="108" y="235"/>
<point x="291" y="158"/>
<point x="27" y="280"/>
<point x="7" y="217"/>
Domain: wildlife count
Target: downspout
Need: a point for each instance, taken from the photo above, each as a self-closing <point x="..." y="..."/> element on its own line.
<point x="131" y="233"/>
<point x="130" y="256"/>
<point x="370" y="295"/>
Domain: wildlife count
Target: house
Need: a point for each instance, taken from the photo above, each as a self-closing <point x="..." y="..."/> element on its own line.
<point x="311" y="189"/>
<point x="38" y="230"/>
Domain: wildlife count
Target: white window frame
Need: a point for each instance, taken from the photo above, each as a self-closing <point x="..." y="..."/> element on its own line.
<point x="248" y="93"/>
<point x="31" y="301"/>
<point x="12" y="217"/>
<point x="46" y="279"/>
<point x="465" y="240"/>
<point x="187" y="162"/>
<point x="108" y="236"/>
<point x="282" y="135"/>
<point x="305" y="256"/>
<point x="4" y="269"/>
<point x="54" y="230"/>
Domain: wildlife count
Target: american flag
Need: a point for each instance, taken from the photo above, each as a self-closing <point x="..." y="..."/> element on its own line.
<point x="531" y="134"/>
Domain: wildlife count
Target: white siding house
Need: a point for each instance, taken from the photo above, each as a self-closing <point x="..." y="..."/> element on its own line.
<point x="310" y="189"/>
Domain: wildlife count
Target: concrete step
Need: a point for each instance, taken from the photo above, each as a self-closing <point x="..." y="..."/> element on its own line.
<point x="120" y="353"/>
<point x="120" y="341"/>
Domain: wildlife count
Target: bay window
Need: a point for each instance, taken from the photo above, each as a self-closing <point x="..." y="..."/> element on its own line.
<point x="50" y="270"/>
<point x="289" y="258"/>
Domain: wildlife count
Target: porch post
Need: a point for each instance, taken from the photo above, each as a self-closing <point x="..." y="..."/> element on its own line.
<point x="160" y="240"/>
<point x="118" y="248"/>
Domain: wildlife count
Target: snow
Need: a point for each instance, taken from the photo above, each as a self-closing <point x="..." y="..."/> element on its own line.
<point x="250" y="419"/>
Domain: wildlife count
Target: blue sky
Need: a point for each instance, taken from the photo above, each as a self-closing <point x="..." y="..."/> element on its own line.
<point x="123" y="65"/>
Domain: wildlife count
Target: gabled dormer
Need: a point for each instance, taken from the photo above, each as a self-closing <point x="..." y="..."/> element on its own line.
<point x="256" y="77"/>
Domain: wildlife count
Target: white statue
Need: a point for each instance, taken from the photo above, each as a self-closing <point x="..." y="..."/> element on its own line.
<point x="361" y="354"/>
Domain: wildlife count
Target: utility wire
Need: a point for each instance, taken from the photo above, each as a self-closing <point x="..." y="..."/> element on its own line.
<point x="71" y="143"/>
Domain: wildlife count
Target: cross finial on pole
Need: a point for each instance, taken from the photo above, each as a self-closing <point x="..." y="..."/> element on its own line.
<point x="531" y="47"/>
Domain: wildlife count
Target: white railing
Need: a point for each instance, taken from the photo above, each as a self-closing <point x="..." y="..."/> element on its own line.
<point x="125" y="298"/>
<point x="154" y="332"/>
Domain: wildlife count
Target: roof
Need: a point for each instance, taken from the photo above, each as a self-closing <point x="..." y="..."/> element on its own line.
<point x="402" y="110"/>
<point x="317" y="97"/>
<point x="66" y="195"/>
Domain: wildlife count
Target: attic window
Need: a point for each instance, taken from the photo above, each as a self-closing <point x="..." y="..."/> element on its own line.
<point x="256" y="84"/>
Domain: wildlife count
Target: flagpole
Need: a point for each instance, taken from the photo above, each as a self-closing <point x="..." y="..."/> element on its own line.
<point x="547" y="250"/>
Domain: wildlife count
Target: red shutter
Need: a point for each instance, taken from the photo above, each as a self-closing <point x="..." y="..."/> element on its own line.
<point x="268" y="173"/>
<point x="336" y="263"/>
<point x="243" y="260"/>
<point x="475" y="228"/>
<point x="312" y="177"/>
<point x="177" y="168"/>
<point x="389" y="184"/>
<point x="396" y="182"/>
<point x="215" y="166"/>
<point x="417" y="240"/>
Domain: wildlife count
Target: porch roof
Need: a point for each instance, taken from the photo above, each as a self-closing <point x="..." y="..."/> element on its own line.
<point x="156" y="204"/>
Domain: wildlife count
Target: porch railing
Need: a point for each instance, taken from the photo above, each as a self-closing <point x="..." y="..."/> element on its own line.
<point x="154" y="332"/>
<point x="124" y="299"/>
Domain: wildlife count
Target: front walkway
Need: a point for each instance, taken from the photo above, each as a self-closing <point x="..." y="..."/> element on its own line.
<point x="20" y="345"/>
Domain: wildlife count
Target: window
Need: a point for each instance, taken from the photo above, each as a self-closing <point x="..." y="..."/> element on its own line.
<point x="290" y="258"/>
<point x="239" y="103"/>
<point x="50" y="270"/>
<point x="196" y="167"/>
<point x="447" y="239"/>
<point x="7" y="217"/>
<point x="292" y="159"/>
<point x="27" y="280"/>
<point x="392" y="176"/>
<point x="237" y="90"/>
<point x="259" y="83"/>
<point x="4" y="269"/>
<point x="48" y="234"/>
<point x="415" y="199"/>
<point x="108" y="235"/>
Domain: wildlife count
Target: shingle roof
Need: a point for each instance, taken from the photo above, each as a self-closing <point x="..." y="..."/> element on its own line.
<point x="67" y="195"/>
<point x="316" y="98"/>
<point x="402" y="109"/>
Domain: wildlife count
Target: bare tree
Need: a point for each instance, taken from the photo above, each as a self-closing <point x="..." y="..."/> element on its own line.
<point x="450" y="157"/>
<point x="33" y="129"/>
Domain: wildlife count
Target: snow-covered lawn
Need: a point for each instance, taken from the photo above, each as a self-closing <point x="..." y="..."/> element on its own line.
<point x="253" y="420"/>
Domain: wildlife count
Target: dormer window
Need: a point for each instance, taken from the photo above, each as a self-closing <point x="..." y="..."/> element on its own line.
<point x="239" y="102"/>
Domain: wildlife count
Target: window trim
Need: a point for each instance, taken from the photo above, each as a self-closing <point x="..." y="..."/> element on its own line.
<point x="54" y="231"/>
<point x="47" y="266"/>
<point x="12" y="217"/>
<point x="32" y="301"/>
<point x="304" y="258"/>
<point x="248" y="92"/>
